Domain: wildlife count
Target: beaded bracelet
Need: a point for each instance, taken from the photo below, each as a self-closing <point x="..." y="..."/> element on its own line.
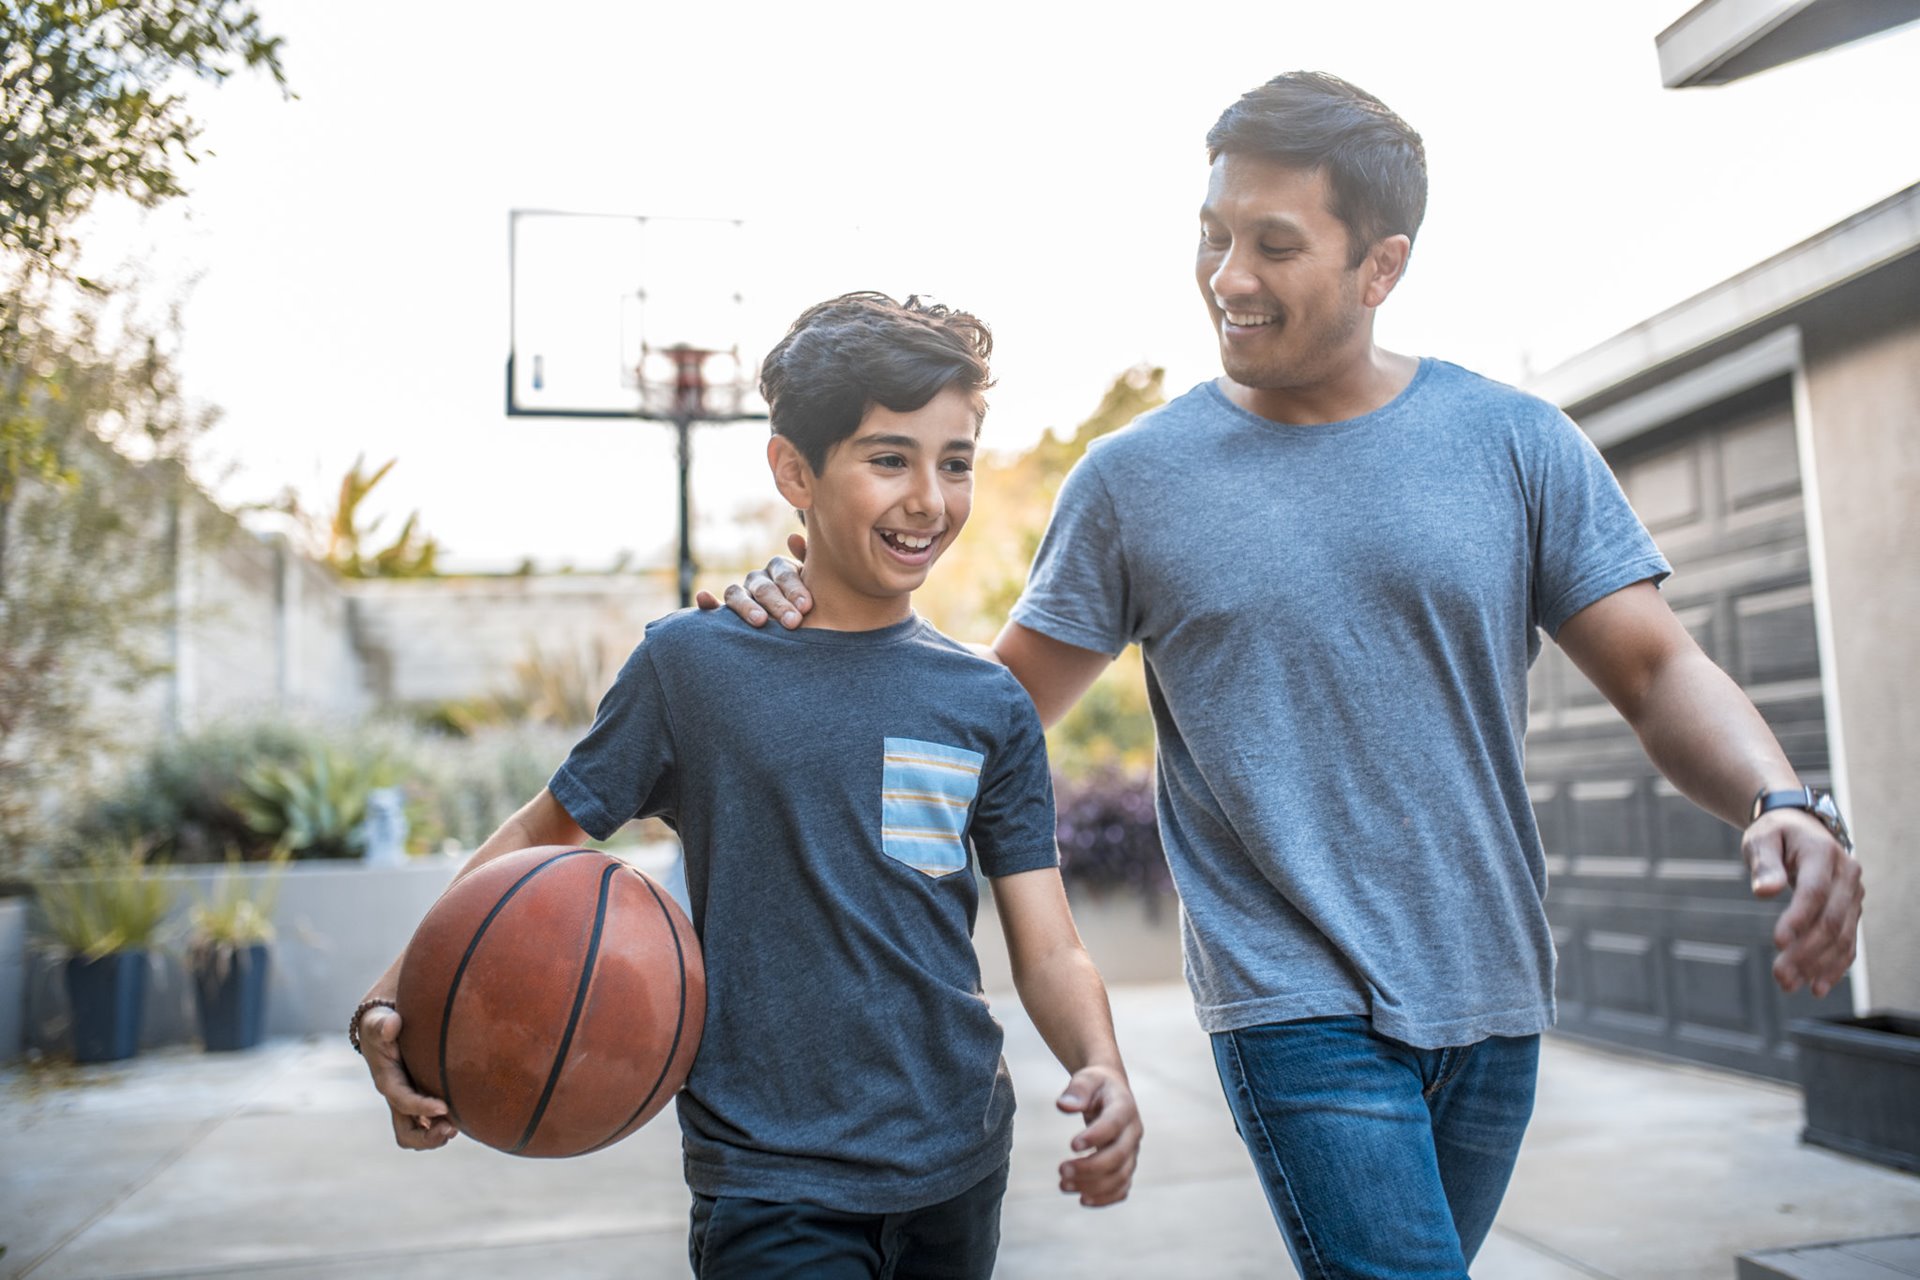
<point x="353" y="1023"/>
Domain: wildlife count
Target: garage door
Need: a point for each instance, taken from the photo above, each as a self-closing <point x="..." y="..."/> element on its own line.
<point x="1661" y="946"/>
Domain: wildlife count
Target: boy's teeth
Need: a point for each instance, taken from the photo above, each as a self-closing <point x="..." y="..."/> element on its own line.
<point x="910" y="542"/>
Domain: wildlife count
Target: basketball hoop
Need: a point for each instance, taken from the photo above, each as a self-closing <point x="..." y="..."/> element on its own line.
<point x="693" y="383"/>
<point x="589" y="298"/>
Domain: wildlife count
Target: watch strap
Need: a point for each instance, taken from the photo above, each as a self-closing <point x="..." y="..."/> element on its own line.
<point x="1818" y="803"/>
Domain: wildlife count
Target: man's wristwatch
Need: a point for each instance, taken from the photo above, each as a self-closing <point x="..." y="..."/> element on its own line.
<point x="1818" y="803"/>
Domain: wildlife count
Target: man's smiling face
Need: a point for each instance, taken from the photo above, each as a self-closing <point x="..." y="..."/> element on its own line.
<point x="1275" y="268"/>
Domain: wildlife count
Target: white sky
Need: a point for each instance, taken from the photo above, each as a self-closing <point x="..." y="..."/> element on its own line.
<point x="1039" y="164"/>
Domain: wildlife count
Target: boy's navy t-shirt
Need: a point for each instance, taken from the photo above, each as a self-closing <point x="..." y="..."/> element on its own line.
<point x="826" y="787"/>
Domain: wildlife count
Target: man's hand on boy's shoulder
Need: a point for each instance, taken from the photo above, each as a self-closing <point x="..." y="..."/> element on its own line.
<point x="420" y="1123"/>
<point x="775" y="590"/>
<point x="1109" y="1146"/>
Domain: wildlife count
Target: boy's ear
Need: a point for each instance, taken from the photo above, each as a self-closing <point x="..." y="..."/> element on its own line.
<point x="792" y="474"/>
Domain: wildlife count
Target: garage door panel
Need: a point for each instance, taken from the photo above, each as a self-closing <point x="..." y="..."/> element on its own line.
<point x="1774" y="636"/>
<point x="1683" y="831"/>
<point x="1760" y="460"/>
<point x="1662" y="945"/>
<point x="1693" y="980"/>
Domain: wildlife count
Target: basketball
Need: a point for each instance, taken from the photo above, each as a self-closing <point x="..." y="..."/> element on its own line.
<point x="554" y="998"/>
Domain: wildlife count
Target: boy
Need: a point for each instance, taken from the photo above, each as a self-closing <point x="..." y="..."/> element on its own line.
<point x="849" y="1113"/>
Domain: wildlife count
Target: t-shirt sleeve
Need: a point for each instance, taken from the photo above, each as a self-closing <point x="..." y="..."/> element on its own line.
<point x="1587" y="541"/>
<point x="1077" y="591"/>
<point x="623" y="768"/>
<point x="1012" y="828"/>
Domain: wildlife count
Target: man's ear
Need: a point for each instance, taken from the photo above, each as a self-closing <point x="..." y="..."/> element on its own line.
<point x="792" y="473"/>
<point x="1386" y="263"/>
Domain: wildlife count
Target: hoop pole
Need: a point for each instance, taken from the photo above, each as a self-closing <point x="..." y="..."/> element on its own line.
<point x="683" y="428"/>
<point x="689" y="406"/>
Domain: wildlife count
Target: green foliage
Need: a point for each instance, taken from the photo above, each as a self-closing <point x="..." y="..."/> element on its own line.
<point x="177" y="797"/>
<point x="89" y="107"/>
<point x="313" y="807"/>
<point x="110" y="903"/>
<point x="461" y="789"/>
<point x="86" y="108"/>
<point x="86" y="562"/>
<point x="560" y="688"/>
<point x="411" y="554"/>
<point x="188" y="799"/>
<point x="237" y="911"/>
<point x="981" y="577"/>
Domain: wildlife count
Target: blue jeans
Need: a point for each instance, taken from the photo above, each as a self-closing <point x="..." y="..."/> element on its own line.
<point x="1379" y="1159"/>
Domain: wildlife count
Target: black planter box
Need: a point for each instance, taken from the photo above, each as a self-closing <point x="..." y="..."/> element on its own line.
<point x="230" y="988"/>
<point x="1861" y="1080"/>
<point x="109" y="997"/>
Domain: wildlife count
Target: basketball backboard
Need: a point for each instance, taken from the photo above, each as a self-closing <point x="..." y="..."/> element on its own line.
<point x="598" y="302"/>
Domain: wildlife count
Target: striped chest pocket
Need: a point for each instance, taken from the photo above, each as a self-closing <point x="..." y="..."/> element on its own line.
<point x="926" y="792"/>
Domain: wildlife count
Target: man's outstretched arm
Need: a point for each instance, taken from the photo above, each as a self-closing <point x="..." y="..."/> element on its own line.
<point x="1701" y="731"/>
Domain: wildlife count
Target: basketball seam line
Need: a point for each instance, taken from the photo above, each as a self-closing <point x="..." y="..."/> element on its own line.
<point x="573" y="1018"/>
<point x="453" y="988"/>
<point x="679" y="1026"/>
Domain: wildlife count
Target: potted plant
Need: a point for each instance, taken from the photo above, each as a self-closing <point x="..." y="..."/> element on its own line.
<point x="105" y="918"/>
<point x="230" y="930"/>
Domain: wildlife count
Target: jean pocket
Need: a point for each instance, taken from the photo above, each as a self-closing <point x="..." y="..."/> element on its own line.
<point x="926" y="793"/>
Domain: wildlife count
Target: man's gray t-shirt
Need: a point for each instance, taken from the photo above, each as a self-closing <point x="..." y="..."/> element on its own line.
<point x="1337" y="622"/>
<point x="826" y="787"/>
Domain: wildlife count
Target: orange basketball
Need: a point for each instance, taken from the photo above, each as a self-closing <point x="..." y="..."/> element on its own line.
<point x="554" y="998"/>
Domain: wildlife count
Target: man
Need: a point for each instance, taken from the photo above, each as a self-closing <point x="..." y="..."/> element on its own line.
<point x="1340" y="777"/>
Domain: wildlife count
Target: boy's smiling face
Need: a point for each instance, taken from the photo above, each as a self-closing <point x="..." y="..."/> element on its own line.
<point x="890" y="500"/>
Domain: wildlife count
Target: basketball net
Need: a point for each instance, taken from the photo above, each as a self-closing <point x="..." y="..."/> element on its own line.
<point x="674" y="385"/>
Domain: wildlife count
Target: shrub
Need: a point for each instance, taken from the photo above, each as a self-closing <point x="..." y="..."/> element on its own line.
<point x="1108" y="835"/>
<point x="107" y="904"/>
<point x="178" y="798"/>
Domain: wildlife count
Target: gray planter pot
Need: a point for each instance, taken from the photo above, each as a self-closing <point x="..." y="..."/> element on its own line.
<point x="1861" y="1080"/>
<point x="13" y="977"/>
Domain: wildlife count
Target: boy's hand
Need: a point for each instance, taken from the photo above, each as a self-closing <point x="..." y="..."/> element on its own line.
<point x="1110" y="1144"/>
<point x="776" y="590"/>
<point x="419" y="1122"/>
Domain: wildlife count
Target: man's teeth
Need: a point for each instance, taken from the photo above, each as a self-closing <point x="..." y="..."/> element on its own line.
<point x="1247" y="320"/>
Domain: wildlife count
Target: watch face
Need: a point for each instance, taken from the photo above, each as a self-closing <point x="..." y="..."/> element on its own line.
<point x="1829" y="811"/>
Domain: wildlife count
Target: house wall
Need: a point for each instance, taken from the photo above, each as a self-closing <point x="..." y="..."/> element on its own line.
<point x="1863" y="400"/>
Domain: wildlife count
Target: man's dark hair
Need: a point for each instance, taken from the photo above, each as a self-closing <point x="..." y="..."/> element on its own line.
<point x="845" y="355"/>
<point x="1375" y="164"/>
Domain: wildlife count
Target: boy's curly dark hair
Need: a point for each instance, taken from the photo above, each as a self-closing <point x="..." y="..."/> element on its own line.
<point x="845" y="355"/>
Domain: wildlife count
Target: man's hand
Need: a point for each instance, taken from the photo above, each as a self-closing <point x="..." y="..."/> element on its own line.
<point x="419" y="1123"/>
<point x="1109" y="1145"/>
<point x="1817" y="933"/>
<point x="776" y="590"/>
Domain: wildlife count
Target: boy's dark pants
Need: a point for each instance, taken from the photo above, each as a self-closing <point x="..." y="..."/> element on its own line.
<point x="735" y="1239"/>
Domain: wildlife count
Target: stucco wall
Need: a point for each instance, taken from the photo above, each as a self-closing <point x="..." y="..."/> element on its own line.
<point x="427" y="641"/>
<point x="1864" y="402"/>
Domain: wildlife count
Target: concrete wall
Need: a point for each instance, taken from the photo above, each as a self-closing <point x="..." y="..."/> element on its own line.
<point x="1863" y="394"/>
<point x="339" y="925"/>
<point x="437" y="639"/>
<point x="262" y="627"/>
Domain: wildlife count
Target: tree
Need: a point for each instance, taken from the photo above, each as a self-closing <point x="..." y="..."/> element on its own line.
<point x="411" y="554"/>
<point x="87" y="110"/>
<point x="88" y="595"/>
<point x="90" y="107"/>
<point x="981" y="577"/>
<point x="86" y="107"/>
